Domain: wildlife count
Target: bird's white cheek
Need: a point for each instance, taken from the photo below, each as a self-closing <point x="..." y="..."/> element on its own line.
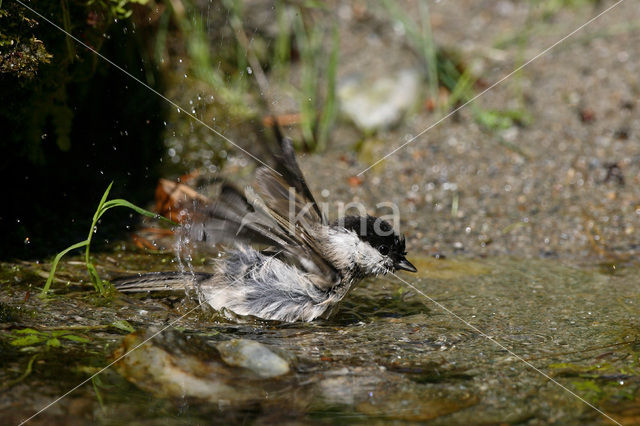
<point x="388" y="265"/>
<point x="370" y="259"/>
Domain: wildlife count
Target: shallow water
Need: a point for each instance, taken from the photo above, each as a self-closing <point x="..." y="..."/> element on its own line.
<point x="388" y="354"/>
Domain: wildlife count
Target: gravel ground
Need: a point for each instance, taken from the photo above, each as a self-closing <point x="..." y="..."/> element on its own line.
<point x="564" y="186"/>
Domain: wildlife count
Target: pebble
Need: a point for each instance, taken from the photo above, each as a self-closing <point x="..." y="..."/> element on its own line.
<point x="381" y="104"/>
<point x="253" y="356"/>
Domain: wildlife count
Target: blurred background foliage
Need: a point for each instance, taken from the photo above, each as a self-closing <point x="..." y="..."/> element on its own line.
<point x="71" y="122"/>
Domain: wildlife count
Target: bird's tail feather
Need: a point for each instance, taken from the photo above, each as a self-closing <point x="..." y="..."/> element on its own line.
<point x="160" y="281"/>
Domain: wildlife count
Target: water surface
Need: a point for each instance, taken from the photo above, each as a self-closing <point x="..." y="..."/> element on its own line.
<point x="388" y="354"/>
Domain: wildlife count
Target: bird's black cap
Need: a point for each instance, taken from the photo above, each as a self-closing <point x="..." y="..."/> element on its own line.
<point x="381" y="235"/>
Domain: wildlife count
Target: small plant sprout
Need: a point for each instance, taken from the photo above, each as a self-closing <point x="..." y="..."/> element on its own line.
<point x="103" y="206"/>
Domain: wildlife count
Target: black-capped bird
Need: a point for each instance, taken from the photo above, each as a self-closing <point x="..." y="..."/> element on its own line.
<point x="309" y="264"/>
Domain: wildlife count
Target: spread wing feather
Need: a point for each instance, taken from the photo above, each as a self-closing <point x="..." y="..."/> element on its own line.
<point x="287" y="165"/>
<point x="236" y="217"/>
<point x="233" y="218"/>
<point x="265" y="217"/>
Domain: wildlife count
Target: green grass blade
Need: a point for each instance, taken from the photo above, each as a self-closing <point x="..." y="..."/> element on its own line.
<point x="103" y="200"/>
<point x="282" y="51"/>
<point x="95" y="278"/>
<point x="124" y="203"/>
<point x="98" y="284"/>
<point x="305" y="40"/>
<point x="74" y="338"/>
<point x="462" y="91"/>
<point x="103" y="206"/>
<point x="428" y="48"/>
<point x="59" y="256"/>
<point x="330" y="110"/>
<point x="123" y="325"/>
<point x="29" y="340"/>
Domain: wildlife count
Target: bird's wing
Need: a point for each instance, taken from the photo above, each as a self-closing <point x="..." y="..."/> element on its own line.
<point x="285" y="201"/>
<point x="287" y="166"/>
<point x="282" y="214"/>
<point x="294" y="214"/>
<point x="233" y="218"/>
<point x="251" y="219"/>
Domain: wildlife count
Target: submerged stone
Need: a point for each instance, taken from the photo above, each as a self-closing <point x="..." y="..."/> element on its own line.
<point x="174" y="365"/>
<point x="253" y="356"/>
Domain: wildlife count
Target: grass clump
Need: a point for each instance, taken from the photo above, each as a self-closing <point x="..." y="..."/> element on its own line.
<point x="104" y="205"/>
<point x="316" y="95"/>
<point x="445" y="69"/>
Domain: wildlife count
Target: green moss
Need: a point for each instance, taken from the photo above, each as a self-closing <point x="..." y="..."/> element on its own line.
<point x="21" y="53"/>
<point x="30" y="48"/>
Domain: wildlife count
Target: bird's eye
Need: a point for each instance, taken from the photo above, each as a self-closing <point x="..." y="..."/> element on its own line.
<point x="384" y="250"/>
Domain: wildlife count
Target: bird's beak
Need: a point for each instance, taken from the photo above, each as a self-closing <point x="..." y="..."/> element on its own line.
<point x="404" y="265"/>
